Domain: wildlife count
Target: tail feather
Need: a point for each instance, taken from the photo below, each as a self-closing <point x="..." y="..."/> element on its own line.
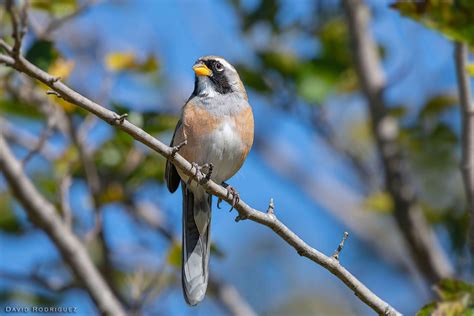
<point x="196" y="243"/>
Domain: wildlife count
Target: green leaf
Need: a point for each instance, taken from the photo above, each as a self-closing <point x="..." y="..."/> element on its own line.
<point x="427" y="310"/>
<point x="449" y="289"/>
<point x="252" y="78"/>
<point x="283" y="62"/>
<point x="18" y="108"/>
<point x="398" y="111"/>
<point x="216" y="251"/>
<point x="313" y="89"/>
<point x="56" y="7"/>
<point x="8" y="221"/>
<point x="437" y="104"/>
<point x="453" y="18"/>
<point x="42" y="53"/>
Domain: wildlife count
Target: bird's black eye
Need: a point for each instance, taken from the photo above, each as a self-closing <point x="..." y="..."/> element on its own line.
<point x="218" y="66"/>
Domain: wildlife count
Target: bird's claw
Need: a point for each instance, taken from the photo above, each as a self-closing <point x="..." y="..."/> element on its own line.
<point x="197" y="169"/>
<point x="235" y="197"/>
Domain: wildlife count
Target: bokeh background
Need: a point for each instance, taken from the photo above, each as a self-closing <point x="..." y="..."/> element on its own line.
<point x="314" y="153"/>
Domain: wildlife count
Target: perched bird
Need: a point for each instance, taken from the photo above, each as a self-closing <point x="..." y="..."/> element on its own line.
<point x="217" y="124"/>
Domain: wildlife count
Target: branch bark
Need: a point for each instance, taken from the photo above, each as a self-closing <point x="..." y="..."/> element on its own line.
<point x="419" y="237"/>
<point x="44" y="215"/>
<point x="467" y="108"/>
<point x="245" y="211"/>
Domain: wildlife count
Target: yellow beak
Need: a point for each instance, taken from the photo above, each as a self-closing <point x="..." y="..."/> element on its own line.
<point x="201" y="70"/>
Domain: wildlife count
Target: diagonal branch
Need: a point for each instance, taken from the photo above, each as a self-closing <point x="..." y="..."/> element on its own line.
<point x="245" y="211"/>
<point x="44" y="215"/>
<point x="419" y="237"/>
<point x="467" y="108"/>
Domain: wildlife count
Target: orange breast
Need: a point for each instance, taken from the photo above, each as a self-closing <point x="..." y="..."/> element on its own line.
<point x="198" y="123"/>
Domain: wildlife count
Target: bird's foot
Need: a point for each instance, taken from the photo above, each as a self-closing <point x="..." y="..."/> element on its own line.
<point x="235" y="196"/>
<point x="206" y="169"/>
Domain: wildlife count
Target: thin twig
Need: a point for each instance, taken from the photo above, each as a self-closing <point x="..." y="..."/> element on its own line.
<point x="64" y="186"/>
<point x="271" y="207"/>
<point x="48" y="129"/>
<point x="18" y="25"/>
<point x="26" y="140"/>
<point x="52" y="92"/>
<point x="341" y="245"/>
<point x="58" y="22"/>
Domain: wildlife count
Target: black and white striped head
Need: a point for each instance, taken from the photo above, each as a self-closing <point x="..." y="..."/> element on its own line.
<point x="215" y="75"/>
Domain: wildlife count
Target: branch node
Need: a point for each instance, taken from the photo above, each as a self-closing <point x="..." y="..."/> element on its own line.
<point x="52" y="92"/>
<point x="341" y="245"/>
<point x="118" y="119"/>
<point x="271" y="207"/>
<point x="302" y="252"/>
<point x="53" y="79"/>
<point x="177" y="148"/>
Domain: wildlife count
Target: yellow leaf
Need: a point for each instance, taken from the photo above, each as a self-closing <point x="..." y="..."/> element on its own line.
<point x="113" y="193"/>
<point x="380" y="202"/>
<point x="174" y="255"/>
<point x="120" y="61"/>
<point x="128" y="61"/>
<point x="61" y="68"/>
<point x="470" y="69"/>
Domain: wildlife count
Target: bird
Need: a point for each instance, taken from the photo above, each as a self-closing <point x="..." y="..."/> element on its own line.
<point x="215" y="133"/>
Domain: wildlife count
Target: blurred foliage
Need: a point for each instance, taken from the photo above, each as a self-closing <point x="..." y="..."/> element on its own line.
<point x="118" y="61"/>
<point x="8" y="221"/>
<point x="311" y="78"/>
<point x="294" y="80"/>
<point x="456" y="298"/>
<point x="430" y="143"/>
<point x="452" y="18"/>
<point x="380" y="202"/>
<point x="42" y="53"/>
<point x="470" y="69"/>
<point x="56" y="7"/>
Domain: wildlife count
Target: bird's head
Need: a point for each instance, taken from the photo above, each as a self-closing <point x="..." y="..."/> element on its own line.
<point x="215" y="75"/>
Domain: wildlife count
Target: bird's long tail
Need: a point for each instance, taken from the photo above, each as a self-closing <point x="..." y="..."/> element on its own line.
<point x="196" y="243"/>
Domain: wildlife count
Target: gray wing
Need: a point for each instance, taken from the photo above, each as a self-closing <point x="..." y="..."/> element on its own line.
<point x="171" y="174"/>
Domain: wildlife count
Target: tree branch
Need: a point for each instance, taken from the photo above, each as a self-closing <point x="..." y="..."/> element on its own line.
<point x="419" y="237"/>
<point x="44" y="215"/>
<point x="245" y="211"/>
<point x="467" y="108"/>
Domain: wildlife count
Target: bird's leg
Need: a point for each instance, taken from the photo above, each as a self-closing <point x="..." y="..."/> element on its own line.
<point x="197" y="169"/>
<point x="210" y="168"/>
<point x="235" y="196"/>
